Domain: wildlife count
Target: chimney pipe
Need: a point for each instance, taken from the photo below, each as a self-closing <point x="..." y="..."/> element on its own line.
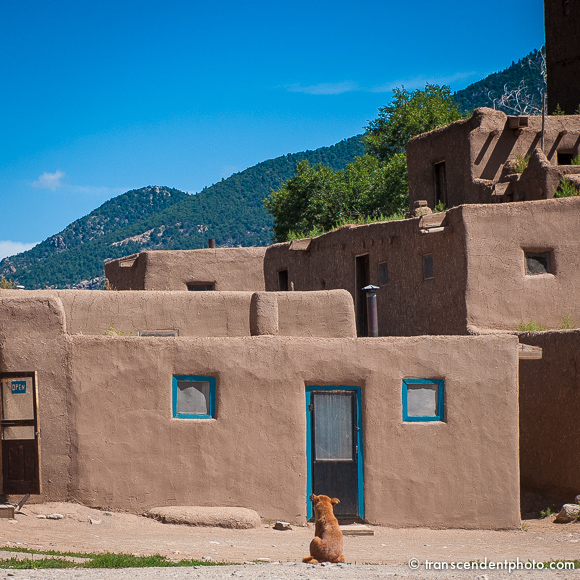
<point x="211" y="243"/>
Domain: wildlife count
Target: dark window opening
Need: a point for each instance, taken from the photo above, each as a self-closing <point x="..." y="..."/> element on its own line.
<point x="383" y="273"/>
<point x="362" y="279"/>
<point x="428" y="266"/>
<point x="565" y="158"/>
<point x="283" y="280"/>
<point x="201" y="286"/>
<point x="440" y="184"/>
<point x="566" y="7"/>
<point x="538" y="263"/>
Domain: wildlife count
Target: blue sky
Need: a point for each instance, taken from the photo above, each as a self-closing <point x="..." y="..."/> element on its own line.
<point x="101" y="97"/>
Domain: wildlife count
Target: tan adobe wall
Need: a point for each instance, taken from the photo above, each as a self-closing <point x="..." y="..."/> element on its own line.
<point x="407" y="304"/>
<point x="230" y="269"/>
<point x="109" y="439"/>
<point x="499" y="293"/>
<point x="93" y="312"/>
<point x="478" y="153"/>
<point x="549" y="407"/>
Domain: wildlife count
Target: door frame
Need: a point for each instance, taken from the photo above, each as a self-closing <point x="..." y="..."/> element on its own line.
<point x="359" y="444"/>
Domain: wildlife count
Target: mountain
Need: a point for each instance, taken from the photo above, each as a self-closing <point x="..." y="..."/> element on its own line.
<point x="162" y="218"/>
<point x="527" y="72"/>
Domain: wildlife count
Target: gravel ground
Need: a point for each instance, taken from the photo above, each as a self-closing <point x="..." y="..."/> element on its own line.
<point x="384" y="555"/>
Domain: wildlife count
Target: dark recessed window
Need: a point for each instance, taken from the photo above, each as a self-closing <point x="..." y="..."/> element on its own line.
<point x="383" y="273"/>
<point x="538" y="263"/>
<point x="283" y="280"/>
<point x="201" y="286"/>
<point x="565" y="158"/>
<point x="566" y="7"/>
<point x="427" y="266"/>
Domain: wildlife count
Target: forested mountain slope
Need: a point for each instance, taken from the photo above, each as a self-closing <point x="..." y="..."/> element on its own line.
<point x="231" y="211"/>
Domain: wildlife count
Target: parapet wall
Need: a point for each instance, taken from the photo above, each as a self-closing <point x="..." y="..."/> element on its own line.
<point x="225" y="314"/>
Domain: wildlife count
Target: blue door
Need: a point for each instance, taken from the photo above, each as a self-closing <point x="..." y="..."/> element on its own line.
<point x="334" y="448"/>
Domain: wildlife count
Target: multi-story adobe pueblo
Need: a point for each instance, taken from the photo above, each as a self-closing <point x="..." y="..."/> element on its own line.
<point x="257" y="384"/>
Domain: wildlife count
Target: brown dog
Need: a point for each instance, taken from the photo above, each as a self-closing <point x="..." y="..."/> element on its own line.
<point x="327" y="543"/>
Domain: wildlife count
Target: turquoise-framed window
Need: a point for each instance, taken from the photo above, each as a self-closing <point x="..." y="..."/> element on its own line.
<point x="193" y="397"/>
<point x="423" y="400"/>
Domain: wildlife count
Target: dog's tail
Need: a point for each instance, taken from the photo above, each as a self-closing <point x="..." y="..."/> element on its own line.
<point x="309" y="560"/>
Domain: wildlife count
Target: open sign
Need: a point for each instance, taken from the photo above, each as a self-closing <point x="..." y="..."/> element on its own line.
<point x="18" y="387"/>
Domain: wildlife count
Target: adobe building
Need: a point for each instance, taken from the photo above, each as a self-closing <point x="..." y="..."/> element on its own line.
<point x="209" y="269"/>
<point x="474" y="160"/>
<point x="470" y="268"/>
<point x="562" y="23"/>
<point x="238" y="406"/>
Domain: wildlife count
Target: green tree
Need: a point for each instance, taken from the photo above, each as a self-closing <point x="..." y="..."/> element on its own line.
<point x="375" y="184"/>
<point x="409" y="114"/>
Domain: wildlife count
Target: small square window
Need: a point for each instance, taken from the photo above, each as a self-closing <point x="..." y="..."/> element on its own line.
<point x="428" y="266"/>
<point x="383" y="273"/>
<point x="193" y="397"/>
<point x="423" y="400"/>
<point x="538" y="263"/>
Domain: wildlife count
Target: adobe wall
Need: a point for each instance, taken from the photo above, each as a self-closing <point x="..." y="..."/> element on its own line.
<point x="449" y="144"/>
<point x="562" y="22"/>
<point x="499" y="293"/>
<point x="122" y="448"/>
<point x="549" y="404"/>
<point x="476" y="152"/>
<point x="32" y="338"/>
<point x="407" y="304"/>
<point x="93" y="312"/>
<point x="230" y="269"/>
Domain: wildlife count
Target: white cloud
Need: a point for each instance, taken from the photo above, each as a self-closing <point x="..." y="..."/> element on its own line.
<point x="8" y="248"/>
<point x="417" y="82"/>
<point x="420" y="81"/>
<point x="324" y="88"/>
<point x="49" y="180"/>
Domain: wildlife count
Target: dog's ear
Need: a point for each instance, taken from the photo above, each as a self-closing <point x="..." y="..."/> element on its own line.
<point x="313" y="497"/>
<point x="334" y="501"/>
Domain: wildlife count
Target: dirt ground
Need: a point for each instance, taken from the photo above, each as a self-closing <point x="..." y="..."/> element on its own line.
<point x="88" y="530"/>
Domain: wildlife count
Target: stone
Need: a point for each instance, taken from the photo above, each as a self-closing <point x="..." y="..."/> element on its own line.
<point x="282" y="526"/>
<point x="577" y="499"/>
<point x="569" y="512"/>
<point x="223" y="517"/>
<point x="94" y="521"/>
<point x="54" y="516"/>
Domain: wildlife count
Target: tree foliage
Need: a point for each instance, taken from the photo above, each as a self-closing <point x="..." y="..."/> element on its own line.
<point x="409" y="113"/>
<point x="373" y="185"/>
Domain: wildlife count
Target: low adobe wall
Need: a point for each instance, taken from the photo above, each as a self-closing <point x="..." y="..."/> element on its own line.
<point x="93" y="312"/>
<point x="549" y="414"/>
<point x="109" y="439"/>
<point x="234" y="269"/>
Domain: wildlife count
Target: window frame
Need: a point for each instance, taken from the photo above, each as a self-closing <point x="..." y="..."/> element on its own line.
<point x="440" y="417"/>
<point x="193" y="379"/>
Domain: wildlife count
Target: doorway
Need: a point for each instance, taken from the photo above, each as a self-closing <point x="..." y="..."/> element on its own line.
<point x="19" y="433"/>
<point x="362" y="279"/>
<point x="334" y="448"/>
